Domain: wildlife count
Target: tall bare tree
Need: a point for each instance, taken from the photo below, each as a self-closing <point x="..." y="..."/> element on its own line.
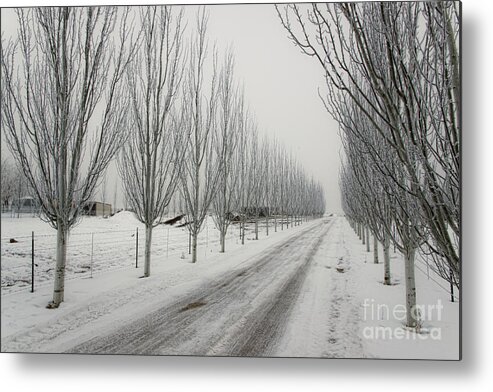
<point x="60" y="82"/>
<point x="255" y="180"/>
<point x="243" y="194"/>
<point x="229" y="112"/>
<point x="202" y="163"/>
<point x="150" y="162"/>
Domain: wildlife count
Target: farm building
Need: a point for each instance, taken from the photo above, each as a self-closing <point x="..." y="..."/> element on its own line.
<point x="97" y="208"/>
<point x="261" y="211"/>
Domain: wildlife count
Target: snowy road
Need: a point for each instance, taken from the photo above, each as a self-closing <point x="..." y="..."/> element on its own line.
<point x="242" y="313"/>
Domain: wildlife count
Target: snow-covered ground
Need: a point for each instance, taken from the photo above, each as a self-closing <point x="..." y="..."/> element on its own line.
<point x="345" y="311"/>
<point x="342" y="309"/>
<point x="95" y="245"/>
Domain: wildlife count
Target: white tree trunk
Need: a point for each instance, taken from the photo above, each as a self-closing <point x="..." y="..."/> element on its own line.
<point x="412" y="317"/>
<point x="375" y="250"/>
<point x="386" y="261"/>
<point x="194" y="247"/>
<point x="148" y="243"/>
<point x="222" y="239"/>
<point x="61" y="257"/>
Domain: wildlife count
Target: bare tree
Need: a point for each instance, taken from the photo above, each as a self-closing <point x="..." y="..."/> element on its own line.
<point x="150" y="163"/>
<point x="274" y="194"/>
<point x="229" y="112"/>
<point x="267" y="189"/>
<point x="283" y="171"/>
<point x="104" y="192"/>
<point x="202" y="163"/>
<point x="65" y="67"/>
<point x="243" y="194"/>
<point x="254" y="175"/>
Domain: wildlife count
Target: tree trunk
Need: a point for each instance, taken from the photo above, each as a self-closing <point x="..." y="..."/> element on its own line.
<point x="194" y="247"/>
<point x="243" y="231"/>
<point x="147" y="260"/>
<point x="275" y="224"/>
<point x="267" y="225"/>
<point x="412" y="317"/>
<point x="375" y="250"/>
<point x="61" y="257"/>
<point x="256" y="227"/>
<point x="363" y="236"/>
<point x="367" y="239"/>
<point x="222" y="238"/>
<point x="386" y="260"/>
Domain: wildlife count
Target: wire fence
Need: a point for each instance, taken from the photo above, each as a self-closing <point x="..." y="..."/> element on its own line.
<point x="28" y="261"/>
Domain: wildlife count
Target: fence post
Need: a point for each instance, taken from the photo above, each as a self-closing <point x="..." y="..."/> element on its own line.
<point x="137" y="249"/>
<point x="32" y="262"/>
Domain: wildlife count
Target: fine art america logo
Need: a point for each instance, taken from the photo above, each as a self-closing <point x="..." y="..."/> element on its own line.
<point x="391" y="321"/>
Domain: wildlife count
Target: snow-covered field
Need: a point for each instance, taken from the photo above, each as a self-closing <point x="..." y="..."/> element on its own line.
<point x="341" y="310"/>
<point x="95" y="245"/>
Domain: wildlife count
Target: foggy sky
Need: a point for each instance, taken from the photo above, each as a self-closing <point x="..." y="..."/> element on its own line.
<point x="281" y="87"/>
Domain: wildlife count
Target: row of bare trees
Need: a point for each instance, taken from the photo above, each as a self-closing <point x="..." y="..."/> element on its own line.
<point x="261" y="180"/>
<point x="393" y="84"/>
<point x="83" y="86"/>
<point x="193" y="138"/>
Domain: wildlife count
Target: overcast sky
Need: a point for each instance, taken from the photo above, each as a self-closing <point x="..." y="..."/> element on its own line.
<point x="281" y="86"/>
